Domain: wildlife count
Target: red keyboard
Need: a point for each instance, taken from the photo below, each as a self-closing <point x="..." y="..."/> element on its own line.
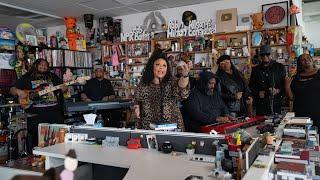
<point x="227" y="127"/>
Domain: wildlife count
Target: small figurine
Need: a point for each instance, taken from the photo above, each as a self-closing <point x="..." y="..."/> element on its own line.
<point x="257" y="21"/>
<point x="70" y="165"/>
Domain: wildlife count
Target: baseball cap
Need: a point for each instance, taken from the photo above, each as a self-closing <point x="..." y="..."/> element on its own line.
<point x="96" y="67"/>
<point x="265" y="49"/>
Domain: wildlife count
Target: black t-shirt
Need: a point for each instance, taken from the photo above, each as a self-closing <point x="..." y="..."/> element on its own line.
<point x="306" y="92"/>
<point x="96" y="90"/>
<point x="38" y="83"/>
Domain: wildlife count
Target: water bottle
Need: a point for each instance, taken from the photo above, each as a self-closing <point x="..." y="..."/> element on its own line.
<point x="99" y="122"/>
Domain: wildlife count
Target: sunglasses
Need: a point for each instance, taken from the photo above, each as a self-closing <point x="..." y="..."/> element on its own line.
<point x="265" y="54"/>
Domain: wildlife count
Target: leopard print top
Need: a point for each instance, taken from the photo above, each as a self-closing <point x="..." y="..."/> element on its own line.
<point x="148" y="97"/>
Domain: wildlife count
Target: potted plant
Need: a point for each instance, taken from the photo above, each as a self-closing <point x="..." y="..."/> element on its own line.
<point x="190" y="149"/>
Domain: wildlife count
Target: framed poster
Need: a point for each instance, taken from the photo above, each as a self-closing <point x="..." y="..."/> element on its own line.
<point x="31" y="40"/>
<point x="244" y="20"/>
<point x="275" y="14"/>
<point x="227" y="20"/>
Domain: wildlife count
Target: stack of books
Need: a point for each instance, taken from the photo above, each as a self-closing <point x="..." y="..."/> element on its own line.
<point x="291" y="170"/>
<point x="296" y="156"/>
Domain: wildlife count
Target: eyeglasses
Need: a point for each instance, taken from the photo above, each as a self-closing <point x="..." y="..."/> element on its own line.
<point x="265" y="54"/>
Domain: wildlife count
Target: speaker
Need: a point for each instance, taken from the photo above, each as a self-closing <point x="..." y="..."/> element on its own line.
<point x="88" y="20"/>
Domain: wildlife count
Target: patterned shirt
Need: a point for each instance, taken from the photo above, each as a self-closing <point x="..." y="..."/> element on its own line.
<point x="159" y="104"/>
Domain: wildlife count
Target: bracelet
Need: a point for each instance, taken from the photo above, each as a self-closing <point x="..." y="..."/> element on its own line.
<point x="185" y="76"/>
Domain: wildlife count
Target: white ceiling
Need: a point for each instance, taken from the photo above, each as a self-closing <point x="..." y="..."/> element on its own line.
<point x="56" y="9"/>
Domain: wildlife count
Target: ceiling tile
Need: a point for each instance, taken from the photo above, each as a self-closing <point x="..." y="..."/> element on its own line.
<point x="148" y="6"/>
<point x="101" y="4"/>
<point x="177" y="3"/>
<point x="118" y="12"/>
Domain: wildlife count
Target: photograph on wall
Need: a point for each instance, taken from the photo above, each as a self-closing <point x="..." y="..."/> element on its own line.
<point x="227" y="20"/>
<point x="31" y="40"/>
<point x="244" y="20"/>
<point x="275" y="14"/>
<point x="152" y="141"/>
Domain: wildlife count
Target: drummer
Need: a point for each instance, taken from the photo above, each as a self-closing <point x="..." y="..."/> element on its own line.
<point x="49" y="107"/>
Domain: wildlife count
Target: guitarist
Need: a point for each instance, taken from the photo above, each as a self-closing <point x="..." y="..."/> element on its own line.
<point x="49" y="107"/>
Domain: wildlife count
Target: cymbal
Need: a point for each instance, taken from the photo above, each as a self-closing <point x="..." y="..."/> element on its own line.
<point x="23" y="116"/>
<point x="9" y="105"/>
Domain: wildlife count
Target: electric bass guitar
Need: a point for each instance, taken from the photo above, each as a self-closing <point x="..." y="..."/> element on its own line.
<point x="32" y="94"/>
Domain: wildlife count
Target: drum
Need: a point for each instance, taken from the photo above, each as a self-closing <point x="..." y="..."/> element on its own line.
<point x="21" y="136"/>
<point x="3" y="136"/>
<point x="3" y="145"/>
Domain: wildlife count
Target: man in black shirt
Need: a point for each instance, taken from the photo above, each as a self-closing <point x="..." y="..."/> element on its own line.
<point x="98" y="88"/>
<point x="48" y="108"/>
<point x="267" y="83"/>
<point x="205" y="103"/>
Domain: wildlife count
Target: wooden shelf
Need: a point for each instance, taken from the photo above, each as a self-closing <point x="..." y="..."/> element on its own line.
<point x="109" y="57"/>
<point x="108" y="43"/>
<point x="228" y="33"/>
<point x="44" y="47"/>
<point x="142" y="56"/>
<point x="200" y="68"/>
<point x="137" y="42"/>
<point x="137" y="64"/>
<point x="173" y="52"/>
<point x="268" y="29"/>
<point x="241" y="57"/>
<point x="197" y="52"/>
<point x="271" y="45"/>
<point x="232" y="47"/>
<point x="169" y="39"/>
<point x="71" y="67"/>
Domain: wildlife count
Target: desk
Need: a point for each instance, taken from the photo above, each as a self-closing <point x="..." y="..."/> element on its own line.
<point x="263" y="173"/>
<point x="142" y="163"/>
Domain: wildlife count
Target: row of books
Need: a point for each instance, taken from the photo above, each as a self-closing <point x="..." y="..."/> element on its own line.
<point x="138" y="49"/>
<point x="61" y="58"/>
<point x="297" y="150"/>
<point x="77" y="59"/>
<point x="108" y="50"/>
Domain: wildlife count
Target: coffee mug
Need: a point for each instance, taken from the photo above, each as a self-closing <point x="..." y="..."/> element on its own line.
<point x="167" y="147"/>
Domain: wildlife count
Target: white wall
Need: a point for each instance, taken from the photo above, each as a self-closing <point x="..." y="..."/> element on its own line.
<point x="203" y="11"/>
<point x="62" y="28"/>
<point x="312" y="32"/>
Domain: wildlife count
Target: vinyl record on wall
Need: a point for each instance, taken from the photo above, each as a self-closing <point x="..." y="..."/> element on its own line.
<point x="24" y="29"/>
<point x="154" y="22"/>
<point x="188" y="16"/>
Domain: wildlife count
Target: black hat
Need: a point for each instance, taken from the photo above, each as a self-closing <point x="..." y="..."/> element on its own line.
<point x="265" y="49"/>
<point x="188" y="16"/>
<point x="222" y="58"/>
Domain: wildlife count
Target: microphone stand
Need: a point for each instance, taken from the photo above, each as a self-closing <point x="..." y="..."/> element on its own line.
<point x="272" y="97"/>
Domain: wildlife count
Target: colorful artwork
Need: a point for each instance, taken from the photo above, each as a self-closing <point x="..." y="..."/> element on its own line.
<point x="50" y="134"/>
<point x="275" y="14"/>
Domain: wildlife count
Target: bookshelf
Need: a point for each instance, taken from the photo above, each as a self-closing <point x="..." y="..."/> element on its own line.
<point x="235" y="44"/>
<point x="239" y="45"/>
<point x="132" y="58"/>
<point x="80" y="63"/>
<point x="243" y="47"/>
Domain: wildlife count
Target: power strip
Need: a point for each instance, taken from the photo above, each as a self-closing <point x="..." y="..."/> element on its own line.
<point x="203" y="158"/>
